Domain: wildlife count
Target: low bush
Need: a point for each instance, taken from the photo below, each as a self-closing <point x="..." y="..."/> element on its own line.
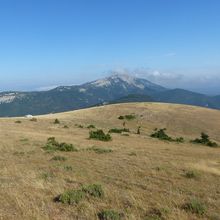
<point x="100" y="135"/>
<point x="94" y="190"/>
<point x="204" y="140"/>
<point x="118" y="130"/>
<point x="75" y="196"/>
<point x="56" y="121"/>
<point x="65" y="126"/>
<point x="109" y="215"/>
<point x="191" y="174"/>
<point x="90" y="126"/>
<point x="18" y="122"/>
<point x="68" y="168"/>
<point x="195" y="206"/>
<point x="71" y="197"/>
<point x="53" y="145"/>
<point x="127" y="117"/>
<point x="161" y="134"/>
<point x="99" y="150"/>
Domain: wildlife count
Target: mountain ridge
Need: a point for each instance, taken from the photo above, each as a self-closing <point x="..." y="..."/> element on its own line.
<point x="107" y="90"/>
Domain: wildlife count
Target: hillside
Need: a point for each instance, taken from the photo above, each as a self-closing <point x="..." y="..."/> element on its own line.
<point x="141" y="177"/>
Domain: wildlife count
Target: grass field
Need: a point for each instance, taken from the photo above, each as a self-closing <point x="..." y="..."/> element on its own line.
<point x="142" y="177"/>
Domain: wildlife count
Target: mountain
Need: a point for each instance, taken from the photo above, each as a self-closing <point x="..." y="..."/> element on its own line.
<point x="66" y="98"/>
<point x="117" y="88"/>
<point x="182" y="96"/>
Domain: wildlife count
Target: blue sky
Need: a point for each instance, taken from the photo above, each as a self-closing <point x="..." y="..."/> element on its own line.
<point x="60" y="42"/>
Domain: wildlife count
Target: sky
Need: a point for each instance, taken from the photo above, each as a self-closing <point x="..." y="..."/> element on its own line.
<point x="44" y="43"/>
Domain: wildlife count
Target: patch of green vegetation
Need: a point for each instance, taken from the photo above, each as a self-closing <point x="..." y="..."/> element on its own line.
<point x="24" y="139"/>
<point x="71" y="197"/>
<point x="90" y="126"/>
<point x="204" y="140"/>
<point x="65" y="126"/>
<point x="94" y="190"/>
<point x="118" y="130"/>
<point x="99" y="150"/>
<point x="161" y="134"/>
<point x="127" y="117"/>
<point x="194" y="206"/>
<point x="56" y="121"/>
<point x="75" y="196"/>
<point x="18" y="122"/>
<point x="47" y="175"/>
<point x="192" y="174"/>
<point x="53" y="145"/>
<point x="109" y="215"/>
<point x="68" y="168"/>
<point x="59" y="158"/>
<point x="99" y="135"/>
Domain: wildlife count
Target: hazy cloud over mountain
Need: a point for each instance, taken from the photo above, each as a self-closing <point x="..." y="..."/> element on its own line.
<point x="199" y="80"/>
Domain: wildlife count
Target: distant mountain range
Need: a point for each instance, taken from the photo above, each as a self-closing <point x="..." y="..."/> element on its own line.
<point x="114" y="89"/>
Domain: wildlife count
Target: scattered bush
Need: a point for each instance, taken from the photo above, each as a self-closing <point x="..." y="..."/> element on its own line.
<point x="75" y="196"/>
<point x="109" y="215"/>
<point x="100" y="135"/>
<point x="118" y="130"/>
<point x="90" y="126"/>
<point x="46" y="176"/>
<point x="99" y="150"/>
<point x="59" y="158"/>
<point x="139" y="130"/>
<point x="161" y="134"/>
<point x="204" y="140"/>
<point x="53" y="145"/>
<point x="56" y="121"/>
<point x="65" y="126"/>
<point x="68" y="168"/>
<point x="71" y="197"/>
<point x="94" y="190"/>
<point x="127" y="117"/>
<point x="18" y="122"/>
<point x="191" y="174"/>
<point x="195" y="206"/>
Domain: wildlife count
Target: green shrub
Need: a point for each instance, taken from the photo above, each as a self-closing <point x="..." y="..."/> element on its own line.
<point x="68" y="168"/>
<point x="71" y="197"/>
<point x="99" y="135"/>
<point x="118" y="130"/>
<point x="59" y="158"/>
<point x="56" y="121"/>
<point x="99" y="150"/>
<point x="121" y="117"/>
<point x="94" y="190"/>
<point x="191" y="174"/>
<point x="139" y="130"/>
<point x="90" y="126"/>
<point x="65" y="126"/>
<point x="53" y="145"/>
<point x="127" y="117"/>
<point x="195" y="206"/>
<point x="79" y="126"/>
<point x="160" y="134"/>
<point x="18" y="122"/>
<point x="204" y="140"/>
<point x="109" y="215"/>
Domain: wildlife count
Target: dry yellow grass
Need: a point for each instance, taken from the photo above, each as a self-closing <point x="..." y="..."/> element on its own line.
<point x="140" y="175"/>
